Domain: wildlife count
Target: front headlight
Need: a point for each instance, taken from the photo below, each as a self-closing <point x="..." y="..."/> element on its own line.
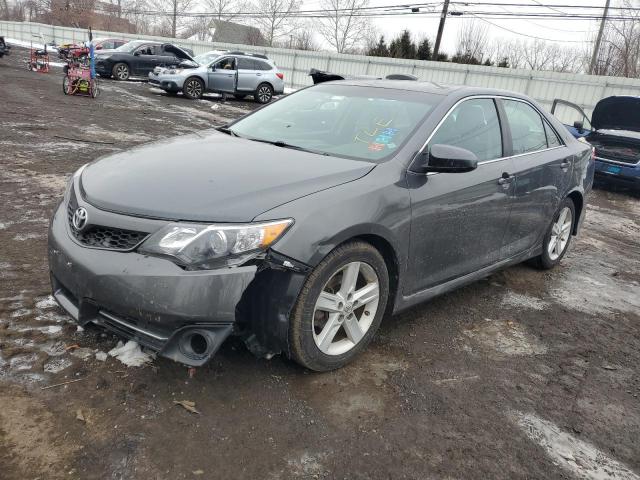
<point x="174" y="71"/>
<point x="198" y="246"/>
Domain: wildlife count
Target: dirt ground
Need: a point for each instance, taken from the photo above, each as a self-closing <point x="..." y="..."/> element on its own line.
<point x="526" y="375"/>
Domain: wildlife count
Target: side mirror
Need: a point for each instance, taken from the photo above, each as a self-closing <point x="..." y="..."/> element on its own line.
<point x="98" y="47"/>
<point x="137" y="54"/>
<point x="213" y="68"/>
<point x="445" y="159"/>
<point x="578" y="125"/>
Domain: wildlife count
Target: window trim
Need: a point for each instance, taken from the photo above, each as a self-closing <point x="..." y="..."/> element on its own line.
<point x="495" y="99"/>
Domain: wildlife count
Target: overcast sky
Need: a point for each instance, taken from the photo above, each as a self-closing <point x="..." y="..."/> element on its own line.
<point x="565" y="31"/>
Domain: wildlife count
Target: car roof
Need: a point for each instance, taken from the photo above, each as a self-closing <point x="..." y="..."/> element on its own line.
<point x="429" y="87"/>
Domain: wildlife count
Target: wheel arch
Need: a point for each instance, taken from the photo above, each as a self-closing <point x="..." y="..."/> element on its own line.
<point x="578" y="202"/>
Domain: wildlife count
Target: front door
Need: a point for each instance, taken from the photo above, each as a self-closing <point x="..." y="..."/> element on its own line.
<point x="572" y="117"/>
<point x="146" y="58"/>
<point x="223" y="75"/>
<point x="542" y="167"/>
<point x="459" y="219"/>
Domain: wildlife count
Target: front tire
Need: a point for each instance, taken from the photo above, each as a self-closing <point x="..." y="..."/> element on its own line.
<point x="121" y="71"/>
<point x="558" y="237"/>
<point x="264" y="93"/>
<point x="340" y="307"/>
<point x="193" y="88"/>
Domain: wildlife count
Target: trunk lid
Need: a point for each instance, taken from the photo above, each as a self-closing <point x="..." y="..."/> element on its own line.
<point x="617" y="113"/>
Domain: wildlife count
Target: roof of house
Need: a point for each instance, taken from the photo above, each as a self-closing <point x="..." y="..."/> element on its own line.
<point x="229" y="32"/>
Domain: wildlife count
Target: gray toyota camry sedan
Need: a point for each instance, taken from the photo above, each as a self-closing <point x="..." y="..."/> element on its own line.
<point x="303" y="225"/>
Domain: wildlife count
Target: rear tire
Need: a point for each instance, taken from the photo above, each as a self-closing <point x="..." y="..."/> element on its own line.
<point x="263" y="94"/>
<point x="340" y="307"/>
<point x="193" y="88"/>
<point x="558" y="237"/>
<point x="120" y="71"/>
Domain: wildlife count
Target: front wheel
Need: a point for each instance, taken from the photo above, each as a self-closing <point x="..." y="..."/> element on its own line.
<point x="193" y="88"/>
<point x="340" y="307"/>
<point x="66" y="85"/>
<point x="558" y="237"/>
<point x="264" y="93"/>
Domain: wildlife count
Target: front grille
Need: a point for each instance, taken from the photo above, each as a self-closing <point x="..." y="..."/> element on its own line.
<point x="99" y="236"/>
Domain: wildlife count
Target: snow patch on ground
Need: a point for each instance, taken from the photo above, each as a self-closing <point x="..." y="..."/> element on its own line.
<point x="131" y="354"/>
<point x="57" y="364"/>
<point x="518" y="300"/>
<point x="47" y="302"/>
<point x="506" y="337"/>
<point x="572" y="454"/>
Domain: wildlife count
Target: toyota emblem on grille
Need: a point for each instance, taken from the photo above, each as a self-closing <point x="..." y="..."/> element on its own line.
<point x="80" y="217"/>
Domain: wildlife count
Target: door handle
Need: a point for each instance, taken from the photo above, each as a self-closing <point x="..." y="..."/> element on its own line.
<point x="258" y="74"/>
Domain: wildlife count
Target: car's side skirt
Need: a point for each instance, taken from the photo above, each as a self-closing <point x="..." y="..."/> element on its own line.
<point x="427" y="294"/>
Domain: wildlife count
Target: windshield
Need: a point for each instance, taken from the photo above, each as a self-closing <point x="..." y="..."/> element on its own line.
<point x="364" y="123"/>
<point x="206" y="58"/>
<point x="130" y="46"/>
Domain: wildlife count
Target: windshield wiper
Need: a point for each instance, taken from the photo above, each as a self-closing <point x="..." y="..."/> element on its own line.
<point x="228" y="131"/>
<point x="280" y="143"/>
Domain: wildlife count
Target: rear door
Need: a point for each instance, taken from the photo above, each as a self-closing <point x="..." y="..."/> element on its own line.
<point x="222" y="75"/>
<point x="246" y="74"/>
<point x="459" y="219"/>
<point x="572" y="117"/>
<point x="542" y="166"/>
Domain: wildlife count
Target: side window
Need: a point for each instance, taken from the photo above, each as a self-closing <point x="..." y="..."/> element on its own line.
<point x="225" y="64"/>
<point x="527" y="129"/>
<point x="108" y="45"/>
<point x="552" y="137"/>
<point x="245" y="64"/>
<point x="472" y="125"/>
<point x="146" y="50"/>
<point x="260" y="65"/>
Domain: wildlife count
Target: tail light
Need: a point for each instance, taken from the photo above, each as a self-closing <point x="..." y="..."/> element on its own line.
<point x="280" y="75"/>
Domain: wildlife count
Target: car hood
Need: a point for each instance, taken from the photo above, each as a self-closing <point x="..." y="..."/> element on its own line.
<point x="619" y="113"/>
<point x="180" y="53"/>
<point x="211" y="177"/>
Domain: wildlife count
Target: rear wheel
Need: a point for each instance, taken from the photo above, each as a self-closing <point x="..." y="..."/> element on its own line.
<point x="339" y="308"/>
<point x="93" y="88"/>
<point x="558" y="237"/>
<point x="193" y="88"/>
<point x="120" y="71"/>
<point x="66" y="85"/>
<point x="264" y="93"/>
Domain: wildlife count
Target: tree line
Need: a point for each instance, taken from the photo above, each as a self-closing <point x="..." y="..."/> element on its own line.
<point x="343" y="30"/>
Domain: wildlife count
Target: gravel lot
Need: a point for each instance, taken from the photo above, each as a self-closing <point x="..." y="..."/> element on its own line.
<point x="527" y="374"/>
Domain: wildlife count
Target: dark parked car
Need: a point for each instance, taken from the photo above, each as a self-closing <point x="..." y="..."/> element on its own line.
<point x="319" y="76"/>
<point x="614" y="132"/>
<point x="299" y="226"/>
<point x="4" y="48"/>
<point x="138" y="58"/>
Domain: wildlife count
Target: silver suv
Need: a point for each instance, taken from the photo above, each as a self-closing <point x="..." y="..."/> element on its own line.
<point x="236" y="73"/>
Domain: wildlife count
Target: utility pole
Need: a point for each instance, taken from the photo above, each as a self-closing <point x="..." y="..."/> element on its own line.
<point x="443" y="17"/>
<point x="596" y="47"/>
<point x="175" y="18"/>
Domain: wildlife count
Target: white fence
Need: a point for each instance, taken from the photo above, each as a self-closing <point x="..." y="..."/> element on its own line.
<point x="584" y="90"/>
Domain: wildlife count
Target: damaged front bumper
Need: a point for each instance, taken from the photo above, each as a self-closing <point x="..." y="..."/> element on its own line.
<point x="183" y="315"/>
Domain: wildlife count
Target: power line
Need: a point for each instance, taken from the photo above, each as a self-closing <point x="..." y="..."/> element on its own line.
<point x="524" y="34"/>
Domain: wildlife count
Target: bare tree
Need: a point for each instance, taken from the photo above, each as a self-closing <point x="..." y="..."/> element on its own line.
<point x="227" y="10"/>
<point x="171" y="12"/>
<point x="274" y="18"/>
<point x="473" y="40"/>
<point x="343" y="27"/>
<point x="303" y="39"/>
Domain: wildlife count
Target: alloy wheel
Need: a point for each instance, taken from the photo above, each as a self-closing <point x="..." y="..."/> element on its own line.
<point x="122" y="72"/>
<point x="264" y="94"/>
<point x="345" y="308"/>
<point x="560" y="233"/>
<point x="194" y="89"/>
